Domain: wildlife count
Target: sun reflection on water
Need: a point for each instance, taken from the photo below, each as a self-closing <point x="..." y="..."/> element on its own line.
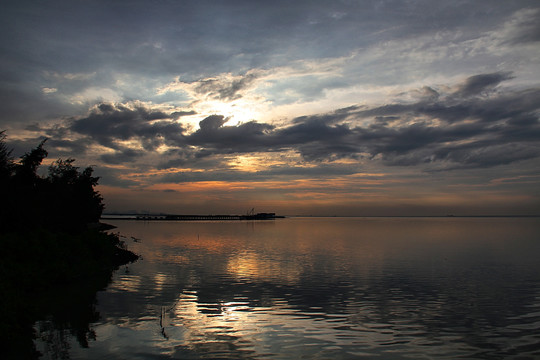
<point x="126" y="283"/>
<point x="216" y="327"/>
<point x="250" y="265"/>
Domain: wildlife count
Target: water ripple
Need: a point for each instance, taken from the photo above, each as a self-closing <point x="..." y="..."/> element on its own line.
<point x="339" y="289"/>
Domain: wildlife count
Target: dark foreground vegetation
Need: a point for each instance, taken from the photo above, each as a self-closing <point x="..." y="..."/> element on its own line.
<point x="53" y="255"/>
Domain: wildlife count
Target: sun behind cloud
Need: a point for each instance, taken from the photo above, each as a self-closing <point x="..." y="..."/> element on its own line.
<point x="236" y="112"/>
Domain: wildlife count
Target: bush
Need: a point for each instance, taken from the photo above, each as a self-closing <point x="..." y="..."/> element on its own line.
<point x="64" y="200"/>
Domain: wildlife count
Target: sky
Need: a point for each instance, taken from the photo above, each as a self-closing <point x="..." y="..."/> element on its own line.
<point x="294" y="107"/>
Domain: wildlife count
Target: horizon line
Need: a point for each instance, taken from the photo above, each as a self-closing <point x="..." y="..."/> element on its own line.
<point x="332" y="216"/>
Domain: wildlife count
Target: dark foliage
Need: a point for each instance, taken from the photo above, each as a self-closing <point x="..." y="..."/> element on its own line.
<point x="52" y="262"/>
<point x="64" y="200"/>
<point x="6" y="161"/>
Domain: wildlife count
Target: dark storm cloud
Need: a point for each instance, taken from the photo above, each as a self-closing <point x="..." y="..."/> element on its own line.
<point x="457" y="107"/>
<point x="474" y="133"/>
<point x="108" y="123"/>
<point x="476" y="156"/>
<point x="477" y="84"/>
<point x="179" y="114"/>
<point x="216" y="138"/>
<point x="59" y="148"/>
<point x="212" y="123"/>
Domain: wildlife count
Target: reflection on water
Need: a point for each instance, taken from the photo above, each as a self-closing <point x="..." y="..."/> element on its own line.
<point x="332" y="288"/>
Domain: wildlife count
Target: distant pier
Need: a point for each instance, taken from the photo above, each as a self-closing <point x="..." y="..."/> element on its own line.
<point x="259" y="216"/>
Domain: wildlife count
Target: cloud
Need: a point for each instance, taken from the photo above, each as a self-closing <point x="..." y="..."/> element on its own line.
<point x="462" y="131"/>
<point x="47" y="90"/>
<point x="443" y="129"/>
<point x="477" y="84"/>
<point x="122" y="156"/>
<point x="487" y="155"/>
<point x="523" y="27"/>
<point x="192" y="158"/>
<point x="179" y="114"/>
<point x="95" y="94"/>
<point x="323" y="171"/>
<point x="110" y="124"/>
<point x="467" y="131"/>
<point x="225" y="87"/>
<point x="216" y="138"/>
<point x="212" y="123"/>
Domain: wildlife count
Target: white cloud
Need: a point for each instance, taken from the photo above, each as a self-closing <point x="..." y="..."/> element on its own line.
<point x="47" y="90"/>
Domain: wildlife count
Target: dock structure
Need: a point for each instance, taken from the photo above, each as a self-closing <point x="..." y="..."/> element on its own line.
<point x="259" y="216"/>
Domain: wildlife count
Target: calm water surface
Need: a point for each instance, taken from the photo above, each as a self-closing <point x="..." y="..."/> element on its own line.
<point x="322" y="288"/>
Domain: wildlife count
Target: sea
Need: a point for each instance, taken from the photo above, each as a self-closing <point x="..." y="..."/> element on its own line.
<point x="316" y="288"/>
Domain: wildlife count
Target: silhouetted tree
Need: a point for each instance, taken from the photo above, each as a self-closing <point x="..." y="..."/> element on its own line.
<point x="73" y="197"/>
<point x="6" y="171"/>
<point x="65" y="199"/>
<point x="6" y="161"/>
<point x="26" y="169"/>
<point x="46" y="247"/>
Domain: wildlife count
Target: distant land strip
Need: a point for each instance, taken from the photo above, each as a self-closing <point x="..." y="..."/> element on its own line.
<point x="269" y="216"/>
<point x="258" y="216"/>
